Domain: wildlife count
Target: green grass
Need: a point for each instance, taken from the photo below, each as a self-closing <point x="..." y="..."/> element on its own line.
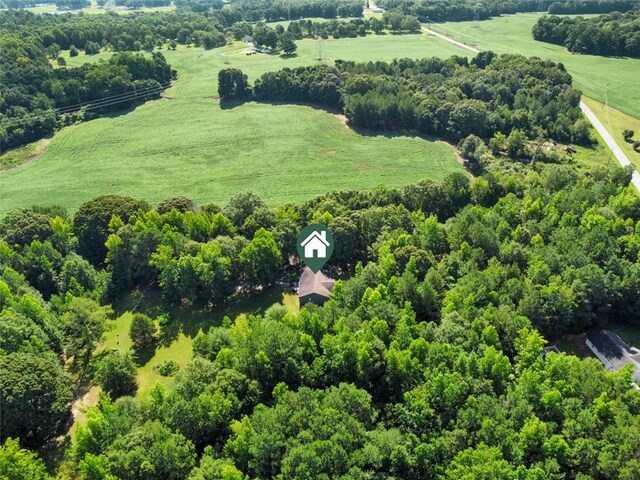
<point x="176" y="339"/>
<point x="616" y="121"/>
<point x="93" y="9"/>
<point x="18" y="156"/>
<point x="187" y="144"/>
<point x="629" y="333"/>
<point x="598" y="77"/>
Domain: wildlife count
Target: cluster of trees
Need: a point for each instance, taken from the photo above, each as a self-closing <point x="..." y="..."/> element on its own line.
<point x="72" y="4"/>
<point x="427" y="362"/>
<point x="613" y="34"/>
<point x="35" y="98"/>
<point x="492" y="95"/>
<point x="467" y="10"/>
<point x="49" y="316"/>
<point x="394" y="22"/>
<point x="135" y="4"/>
<point x="272" y="11"/>
<point x="142" y="31"/>
<point x="23" y="3"/>
<point x="591" y="6"/>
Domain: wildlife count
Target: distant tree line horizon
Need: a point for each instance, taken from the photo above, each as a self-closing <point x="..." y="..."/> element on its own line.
<point x="469" y="10"/>
<point x="612" y="34"/>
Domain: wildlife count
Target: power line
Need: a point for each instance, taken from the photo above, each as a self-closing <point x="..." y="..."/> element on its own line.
<point x="91" y="105"/>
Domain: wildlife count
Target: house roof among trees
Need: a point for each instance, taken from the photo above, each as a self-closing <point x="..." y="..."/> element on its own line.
<point x="315" y="283"/>
<point x="615" y="350"/>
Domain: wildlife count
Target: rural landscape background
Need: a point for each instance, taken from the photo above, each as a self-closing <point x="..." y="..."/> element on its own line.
<point x="475" y="161"/>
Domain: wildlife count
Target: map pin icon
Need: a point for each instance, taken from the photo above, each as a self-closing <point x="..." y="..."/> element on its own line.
<point x="315" y="246"/>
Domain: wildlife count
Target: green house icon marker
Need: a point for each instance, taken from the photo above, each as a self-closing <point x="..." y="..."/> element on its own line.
<point x="315" y="246"/>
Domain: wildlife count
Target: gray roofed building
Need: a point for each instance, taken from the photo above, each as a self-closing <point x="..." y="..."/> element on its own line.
<point x="314" y="287"/>
<point x="613" y="352"/>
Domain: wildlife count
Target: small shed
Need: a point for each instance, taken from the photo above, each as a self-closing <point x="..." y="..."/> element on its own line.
<point x="247" y="39"/>
<point x="314" y="287"/>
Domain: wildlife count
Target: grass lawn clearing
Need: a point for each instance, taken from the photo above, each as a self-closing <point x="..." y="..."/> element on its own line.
<point x="176" y="338"/>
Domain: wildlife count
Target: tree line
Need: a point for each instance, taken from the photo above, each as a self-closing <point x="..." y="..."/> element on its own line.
<point x="468" y="10"/>
<point x="394" y="22"/>
<point x="273" y="11"/>
<point x="135" y="4"/>
<point x="426" y="362"/>
<point x="36" y="99"/>
<point x="613" y="34"/>
<point x="491" y="97"/>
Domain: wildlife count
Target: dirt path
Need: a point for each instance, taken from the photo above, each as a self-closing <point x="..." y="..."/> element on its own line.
<point x="450" y="40"/>
<point x="31" y="158"/>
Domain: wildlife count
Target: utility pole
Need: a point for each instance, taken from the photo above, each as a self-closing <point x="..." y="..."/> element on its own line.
<point x="320" y="51"/>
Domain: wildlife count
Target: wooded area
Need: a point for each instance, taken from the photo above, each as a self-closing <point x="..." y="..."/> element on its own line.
<point x="470" y="10"/>
<point x="504" y="100"/>
<point x="613" y="34"/>
<point x="427" y="362"/>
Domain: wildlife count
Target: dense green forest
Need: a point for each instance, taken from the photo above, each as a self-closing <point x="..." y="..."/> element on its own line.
<point x="503" y="99"/>
<point x="428" y="359"/>
<point x="425" y="363"/>
<point x="613" y="34"/>
<point x="467" y="10"/>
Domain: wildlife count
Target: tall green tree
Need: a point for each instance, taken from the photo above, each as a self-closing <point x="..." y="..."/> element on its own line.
<point x="35" y="395"/>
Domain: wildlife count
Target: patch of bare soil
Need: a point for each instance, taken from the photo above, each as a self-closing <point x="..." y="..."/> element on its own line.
<point x="31" y="158"/>
<point x="343" y="119"/>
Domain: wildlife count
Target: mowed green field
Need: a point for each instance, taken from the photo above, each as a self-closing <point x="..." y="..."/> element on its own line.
<point x="603" y="78"/>
<point x="186" y="144"/>
<point x="93" y="9"/>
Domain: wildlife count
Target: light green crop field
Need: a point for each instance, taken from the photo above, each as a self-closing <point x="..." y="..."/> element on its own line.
<point x="186" y="144"/>
<point x="93" y="9"/>
<point x="602" y="78"/>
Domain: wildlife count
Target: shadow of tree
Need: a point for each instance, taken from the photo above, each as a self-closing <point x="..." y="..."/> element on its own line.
<point x="191" y="318"/>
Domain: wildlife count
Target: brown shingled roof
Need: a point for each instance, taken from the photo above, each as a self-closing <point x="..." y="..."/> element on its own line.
<point x="314" y="283"/>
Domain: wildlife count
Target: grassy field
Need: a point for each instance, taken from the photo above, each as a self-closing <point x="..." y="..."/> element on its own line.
<point x="176" y="339"/>
<point x="615" y="121"/>
<point x="187" y="144"/>
<point x="601" y="78"/>
<point x="94" y="9"/>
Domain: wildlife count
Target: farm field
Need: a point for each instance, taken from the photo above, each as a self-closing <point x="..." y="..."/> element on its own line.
<point x="598" y="77"/>
<point x="95" y="10"/>
<point x="187" y="144"/>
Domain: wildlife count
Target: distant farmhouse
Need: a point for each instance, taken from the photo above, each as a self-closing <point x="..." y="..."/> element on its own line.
<point x="315" y="245"/>
<point x="378" y="10"/>
<point x="314" y="287"/>
<point x="247" y="39"/>
<point x="613" y="352"/>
